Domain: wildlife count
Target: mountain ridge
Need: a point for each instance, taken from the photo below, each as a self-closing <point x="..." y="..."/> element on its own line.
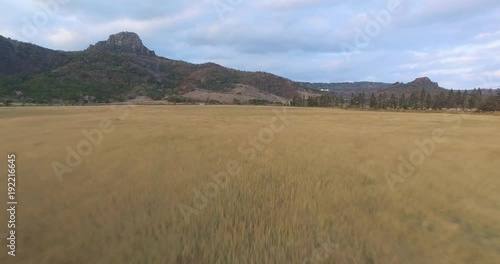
<point x="122" y="68"/>
<point x="398" y="88"/>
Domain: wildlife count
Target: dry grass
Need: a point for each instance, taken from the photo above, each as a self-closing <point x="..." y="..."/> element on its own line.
<point x="320" y="181"/>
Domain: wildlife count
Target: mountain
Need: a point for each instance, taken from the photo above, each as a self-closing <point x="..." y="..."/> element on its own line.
<point x="346" y="88"/>
<point x="397" y="89"/>
<point x="122" y="69"/>
<point x="417" y="85"/>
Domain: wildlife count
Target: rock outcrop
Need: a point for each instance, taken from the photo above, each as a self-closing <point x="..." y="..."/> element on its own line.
<point x="426" y="82"/>
<point x="123" y="41"/>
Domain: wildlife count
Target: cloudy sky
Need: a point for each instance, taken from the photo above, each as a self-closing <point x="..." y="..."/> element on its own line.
<point x="454" y="42"/>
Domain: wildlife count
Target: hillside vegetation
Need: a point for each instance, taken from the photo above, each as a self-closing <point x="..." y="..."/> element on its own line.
<point x="116" y="70"/>
<point x="421" y="94"/>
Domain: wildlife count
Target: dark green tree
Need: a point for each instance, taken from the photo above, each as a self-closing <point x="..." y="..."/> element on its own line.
<point x="440" y="101"/>
<point x="497" y="99"/>
<point x="422" y="98"/>
<point x="373" y="102"/>
<point x="402" y="102"/>
<point x="472" y="102"/>
<point x="381" y="103"/>
<point x="413" y="102"/>
<point x="428" y="102"/>
<point x="479" y="96"/>
<point x="385" y="99"/>
<point x="450" y="100"/>
<point x="489" y="104"/>
<point x="464" y="101"/>
<point x="458" y="99"/>
<point x="393" y="102"/>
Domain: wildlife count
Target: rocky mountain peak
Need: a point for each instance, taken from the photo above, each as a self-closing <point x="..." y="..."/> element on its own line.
<point x="425" y="81"/>
<point x="126" y="41"/>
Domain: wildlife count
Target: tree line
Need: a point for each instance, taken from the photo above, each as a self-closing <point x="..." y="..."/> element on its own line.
<point x="417" y="100"/>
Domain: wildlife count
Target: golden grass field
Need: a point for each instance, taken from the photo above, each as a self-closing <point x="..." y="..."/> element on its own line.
<point x="315" y="192"/>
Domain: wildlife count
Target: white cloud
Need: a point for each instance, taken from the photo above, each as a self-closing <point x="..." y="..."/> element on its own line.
<point x="487" y="35"/>
<point x="289" y="4"/>
<point x="62" y="38"/>
<point x="494" y="74"/>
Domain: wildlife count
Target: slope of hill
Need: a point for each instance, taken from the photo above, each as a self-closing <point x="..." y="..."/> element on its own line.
<point x="122" y="68"/>
<point x="18" y="58"/>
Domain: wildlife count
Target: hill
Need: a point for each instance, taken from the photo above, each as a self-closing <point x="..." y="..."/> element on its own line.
<point x="417" y="85"/>
<point x="121" y="69"/>
<point x="377" y="88"/>
<point x="346" y="88"/>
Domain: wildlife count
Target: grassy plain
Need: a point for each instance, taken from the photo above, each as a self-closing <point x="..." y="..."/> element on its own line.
<point x="315" y="192"/>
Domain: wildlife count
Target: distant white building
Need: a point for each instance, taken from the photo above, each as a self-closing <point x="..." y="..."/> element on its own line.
<point x="324" y="90"/>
